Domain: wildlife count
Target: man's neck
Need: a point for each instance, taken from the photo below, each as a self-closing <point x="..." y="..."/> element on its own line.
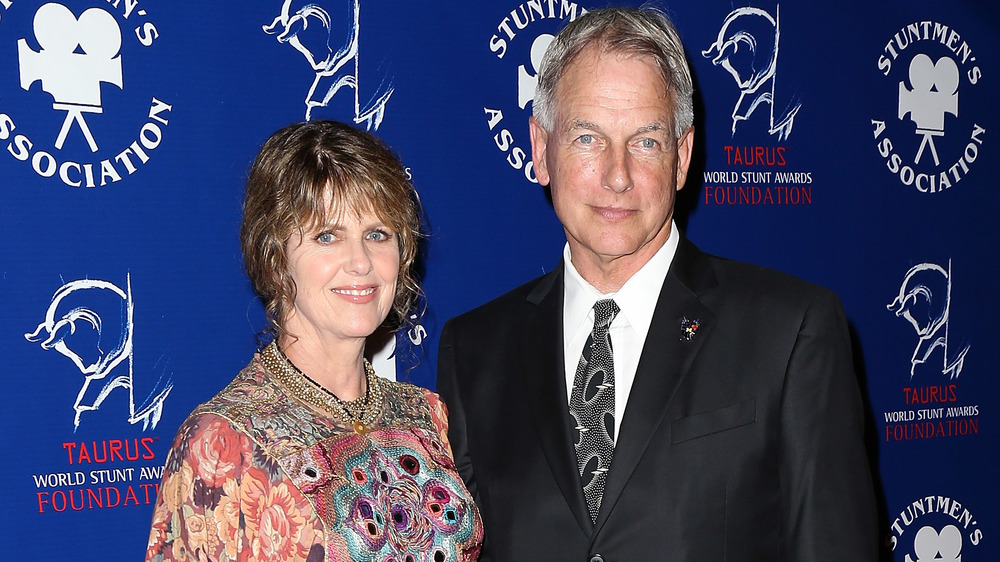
<point x="608" y="274"/>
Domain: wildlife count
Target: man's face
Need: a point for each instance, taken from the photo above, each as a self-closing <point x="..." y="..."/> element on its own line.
<point x="611" y="160"/>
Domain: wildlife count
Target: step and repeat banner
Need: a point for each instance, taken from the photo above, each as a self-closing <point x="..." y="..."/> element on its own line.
<point x="853" y="144"/>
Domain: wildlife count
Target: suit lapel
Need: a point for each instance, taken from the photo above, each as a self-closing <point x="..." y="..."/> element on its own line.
<point x="545" y="387"/>
<point x="665" y="361"/>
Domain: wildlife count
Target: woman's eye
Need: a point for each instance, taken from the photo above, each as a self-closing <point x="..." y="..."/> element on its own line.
<point x="326" y="238"/>
<point x="378" y="235"/>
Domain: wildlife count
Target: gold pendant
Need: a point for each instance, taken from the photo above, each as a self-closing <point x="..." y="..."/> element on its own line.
<point x="360" y="428"/>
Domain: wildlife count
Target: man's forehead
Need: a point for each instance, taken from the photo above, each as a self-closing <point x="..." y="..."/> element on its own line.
<point x="576" y="97"/>
<point x="596" y="54"/>
<point x="587" y="68"/>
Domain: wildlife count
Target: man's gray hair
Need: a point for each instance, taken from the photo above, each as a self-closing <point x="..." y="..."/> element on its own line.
<point x="634" y="31"/>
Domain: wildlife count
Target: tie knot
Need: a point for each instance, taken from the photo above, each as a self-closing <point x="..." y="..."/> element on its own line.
<point x="604" y="313"/>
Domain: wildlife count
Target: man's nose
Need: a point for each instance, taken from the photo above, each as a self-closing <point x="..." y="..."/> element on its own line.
<point x="617" y="176"/>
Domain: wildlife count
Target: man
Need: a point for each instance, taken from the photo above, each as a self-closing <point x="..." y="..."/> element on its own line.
<point x="708" y="411"/>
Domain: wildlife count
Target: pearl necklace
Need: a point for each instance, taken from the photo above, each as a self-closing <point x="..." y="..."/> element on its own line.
<point x="359" y="414"/>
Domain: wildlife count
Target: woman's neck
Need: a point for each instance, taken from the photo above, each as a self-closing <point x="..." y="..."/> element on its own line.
<point x="337" y="366"/>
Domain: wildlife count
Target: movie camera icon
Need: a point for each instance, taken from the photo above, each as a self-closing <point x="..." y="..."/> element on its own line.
<point x="75" y="57"/>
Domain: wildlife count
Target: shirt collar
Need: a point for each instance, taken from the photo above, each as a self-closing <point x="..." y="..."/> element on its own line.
<point x="636" y="299"/>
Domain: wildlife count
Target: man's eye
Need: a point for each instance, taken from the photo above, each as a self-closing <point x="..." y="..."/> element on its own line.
<point x="647" y="143"/>
<point x="586" y="139"/>
<point x="326" y="238"/>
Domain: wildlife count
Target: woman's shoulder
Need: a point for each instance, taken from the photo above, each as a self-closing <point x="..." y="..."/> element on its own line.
<point x="248" y="391"/>
<point x="409" y="404"/>
<point x="225" y="410"/>
<point x="255" y="403"/>
<point x="416" y="396"/>
<point x="404" y="389"/>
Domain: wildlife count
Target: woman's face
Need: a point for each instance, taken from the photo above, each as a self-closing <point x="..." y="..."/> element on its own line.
<point x="345" y="275"/>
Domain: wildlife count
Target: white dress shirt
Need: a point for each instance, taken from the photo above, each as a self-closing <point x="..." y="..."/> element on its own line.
<point x="636" y="301"/>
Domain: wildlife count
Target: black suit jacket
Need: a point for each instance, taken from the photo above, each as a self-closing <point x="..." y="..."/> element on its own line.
<point x="742" y="443"/>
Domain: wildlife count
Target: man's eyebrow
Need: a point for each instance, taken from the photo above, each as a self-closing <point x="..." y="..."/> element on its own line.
<point x="653" y="127"/>
<point x="578" y="124"/>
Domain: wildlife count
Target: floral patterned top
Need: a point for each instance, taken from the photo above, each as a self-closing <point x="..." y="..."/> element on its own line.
<point x="258" y="473"/>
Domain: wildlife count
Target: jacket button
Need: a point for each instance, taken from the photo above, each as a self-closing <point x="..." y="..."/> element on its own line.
<point x="596" y="558"/>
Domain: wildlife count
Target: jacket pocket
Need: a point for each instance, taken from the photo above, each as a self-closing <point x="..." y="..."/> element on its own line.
<point x="714" y="421"/>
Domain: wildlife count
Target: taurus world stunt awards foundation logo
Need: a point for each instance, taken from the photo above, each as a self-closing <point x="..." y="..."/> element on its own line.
<point x="933" y="139"/>
<point x="89" y="321"/>
<point x="747" y="48"/>
<point x="760" y="174"/>
<point x="924" y="300"/>
<point x="67" y="67"/>
<point x="336" y="54"/>
<point x="933" y="404"/>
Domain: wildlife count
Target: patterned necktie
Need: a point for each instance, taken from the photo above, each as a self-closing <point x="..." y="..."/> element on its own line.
<point x="592" y="406"/>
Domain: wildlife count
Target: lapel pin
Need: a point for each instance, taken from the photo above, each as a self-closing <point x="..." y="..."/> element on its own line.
<point x="689" y="328"/>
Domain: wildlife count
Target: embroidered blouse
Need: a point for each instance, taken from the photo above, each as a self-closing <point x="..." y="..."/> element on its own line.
<point x="260" y="473"/>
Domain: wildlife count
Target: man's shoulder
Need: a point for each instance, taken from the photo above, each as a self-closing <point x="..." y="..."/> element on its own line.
<point x="509" y="305"/>
<point x="731" y="270"/>
<point x="756" y="282"/>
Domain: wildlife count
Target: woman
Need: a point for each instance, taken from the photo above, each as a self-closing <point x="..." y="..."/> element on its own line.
<point x="307" y="454"/>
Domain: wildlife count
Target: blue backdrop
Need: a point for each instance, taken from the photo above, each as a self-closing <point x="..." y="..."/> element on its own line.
<point x="848" y="143"/>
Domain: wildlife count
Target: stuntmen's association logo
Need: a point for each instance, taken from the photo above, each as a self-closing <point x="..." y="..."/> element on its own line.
<point x="519" y="42"/>
<point x="935" y="529"/>
<point x="65" y="90"/>
<point x="933" y="139"/>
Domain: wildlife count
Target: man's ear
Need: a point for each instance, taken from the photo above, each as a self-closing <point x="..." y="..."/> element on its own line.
<point x="685" y="146"/>
<point x="539" y="143"/>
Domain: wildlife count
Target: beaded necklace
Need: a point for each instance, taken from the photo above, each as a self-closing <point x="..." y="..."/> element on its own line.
<point x="360" y="413"/>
